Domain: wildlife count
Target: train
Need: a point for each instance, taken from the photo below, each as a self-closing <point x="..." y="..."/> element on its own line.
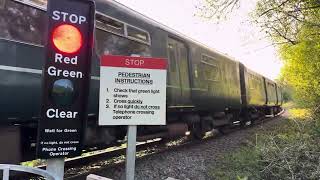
<point x="205" y="89"/>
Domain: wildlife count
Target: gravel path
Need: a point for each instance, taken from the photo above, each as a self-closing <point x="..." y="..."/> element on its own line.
<point x="192" y="162"/>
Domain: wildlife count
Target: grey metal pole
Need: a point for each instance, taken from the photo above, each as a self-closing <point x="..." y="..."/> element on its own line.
<point x="56" y="168"/>
<point x="5" y="174"/>
<point x="131" y="152"/>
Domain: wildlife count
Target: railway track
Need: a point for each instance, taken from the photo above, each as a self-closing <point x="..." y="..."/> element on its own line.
<point x="144" y="150"/>
<point x="141" y="154"/>
<point x="79" y="167"/>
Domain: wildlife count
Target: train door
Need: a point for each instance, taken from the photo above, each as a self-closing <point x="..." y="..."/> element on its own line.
<point x="178" y="77"/>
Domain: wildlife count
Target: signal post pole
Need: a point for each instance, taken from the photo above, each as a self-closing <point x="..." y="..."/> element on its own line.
<point x="56" y="167"/>
<point x="131" y="152"/>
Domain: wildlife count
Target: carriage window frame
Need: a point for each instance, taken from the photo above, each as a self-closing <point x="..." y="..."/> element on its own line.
<point x="97" y="47"/>
<point x="136" y="33"/>
<point x="204" y="60"/>
<point x="125" y="30"/>
<point x="103" y="24"/>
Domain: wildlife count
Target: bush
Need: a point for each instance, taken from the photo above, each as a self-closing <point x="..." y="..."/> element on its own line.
<point x="290" y="155"/>
<point x="291" y="151"/>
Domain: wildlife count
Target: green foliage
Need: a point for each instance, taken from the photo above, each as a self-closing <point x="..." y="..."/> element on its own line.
<point x="294" y="26"/>
<point x="289" y="151"/>
<point x="33" y="163"/>
<point x="287" y="91"/>
<point x="286" y="96"/>
<point x="302" y="67"/>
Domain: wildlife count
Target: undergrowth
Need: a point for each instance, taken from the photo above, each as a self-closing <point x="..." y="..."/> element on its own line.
<point x="289" y="151"/>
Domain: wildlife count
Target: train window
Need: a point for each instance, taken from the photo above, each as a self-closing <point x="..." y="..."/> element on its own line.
<point x="172" y="58"/>
<point x="211" y="73"/>
<point x="196" y="70"/>
<point x="211" y="68"/>
<point x="22" y="23"/>
<point x="138" y="34"/>
<point x="108" y="43"/>
<point x="209" y="61"/>
<point x="109" y="24"/>
<point x="112" y="25"/>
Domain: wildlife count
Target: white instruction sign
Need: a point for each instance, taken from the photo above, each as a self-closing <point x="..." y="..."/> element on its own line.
<point x="132" y="91"/>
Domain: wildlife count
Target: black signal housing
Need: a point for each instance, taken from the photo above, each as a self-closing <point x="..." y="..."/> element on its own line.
<point x="66" y="76"/>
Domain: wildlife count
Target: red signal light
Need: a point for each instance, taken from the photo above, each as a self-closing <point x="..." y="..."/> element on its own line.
<point x="67" y="38"/>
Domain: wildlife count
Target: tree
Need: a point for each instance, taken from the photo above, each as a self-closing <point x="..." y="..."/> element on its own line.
<point x="281" y="20"/>
<point x="217" y="9"/>
<point x="302" y="66"/>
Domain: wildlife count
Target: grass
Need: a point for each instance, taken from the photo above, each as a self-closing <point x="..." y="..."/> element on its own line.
<point x="289" y="151"/>
<point x="34" y="163"/>
<point x="300" y="113"/>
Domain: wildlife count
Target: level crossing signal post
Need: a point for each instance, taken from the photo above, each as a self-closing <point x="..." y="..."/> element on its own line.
<point x="65" y="84"/>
